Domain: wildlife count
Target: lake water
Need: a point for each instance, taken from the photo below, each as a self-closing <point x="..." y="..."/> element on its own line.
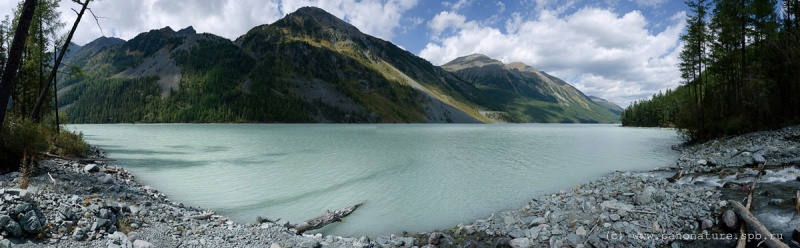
<point x="413" y="177"/>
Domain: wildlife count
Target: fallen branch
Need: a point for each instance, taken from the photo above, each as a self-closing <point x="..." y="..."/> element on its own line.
<point x="54" y="181"/>
<point x="202" y="216"/>
<point x="741" y="243"/>
<point x="75" y="159"/>
<point x="324" y="220"/>
<point x="769" y="239"/>
<point x="630" y="210"/>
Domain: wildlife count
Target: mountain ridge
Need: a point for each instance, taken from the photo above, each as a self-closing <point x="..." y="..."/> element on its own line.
<point x="306" y="67"/>
<point x="527" y="94"/>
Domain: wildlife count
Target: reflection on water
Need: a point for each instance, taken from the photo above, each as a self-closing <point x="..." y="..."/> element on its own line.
<point x="412" y="177"/>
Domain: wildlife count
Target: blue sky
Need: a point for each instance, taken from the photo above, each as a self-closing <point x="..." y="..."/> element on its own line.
<point x="620" y="50"/>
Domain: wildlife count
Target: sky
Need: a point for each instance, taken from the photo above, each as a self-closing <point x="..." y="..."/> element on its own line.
<point x="619" y="50"/>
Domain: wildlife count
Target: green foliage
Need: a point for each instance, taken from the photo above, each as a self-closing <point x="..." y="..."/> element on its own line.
<point x="741" y="70"/>
<point x="21" y="137"/>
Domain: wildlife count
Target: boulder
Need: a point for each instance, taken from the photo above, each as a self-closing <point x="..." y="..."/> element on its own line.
<point x="66" y="213"/>
<point x="573" y="240"/>
<point x="580" y="231"/>
<point x="758" y="159"/>
<point x="643" y="198"/>
<point x="730" y="221"/>
<point x="4" y="219"/>
<point x="142" y="244"/>
<point x="537" y="221"/>
<point x="91" y="168"/>
<point x="434" y="238"/>
<point x="31" y="222"/>
<point x="706" y="224"/>
<point x="118" y="239"/>
<point x="5" y="243"/>
<point x="105" y="179"/>
<point x="796" y="235"/>
<point x="13" y="228"/>
<point x="520" y="243"/>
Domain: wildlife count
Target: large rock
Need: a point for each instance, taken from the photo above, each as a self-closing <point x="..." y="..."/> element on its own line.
<point x="707" y="224"/>
<point x="434" y="238"/>
<point x="118" y="239"/>
<point x="796" y="235"/>
<point x="31" y="222"/>
<point x="730" y="221"/>
<point x="90" y="168"/>
<point x="105" y="179"/>
<point x="573" y="240"/>
<point x="66" y="213"/>
<point x="142" y="244"/>
<point x="13" y="228"/>
<point x="758" y="159"/>
<point x="520" y="243"/>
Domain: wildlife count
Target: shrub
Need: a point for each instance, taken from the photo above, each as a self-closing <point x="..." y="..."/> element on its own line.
<point x="23" y="142"/>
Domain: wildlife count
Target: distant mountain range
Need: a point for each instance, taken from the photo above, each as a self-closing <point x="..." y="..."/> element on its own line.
<point x="307" y="67"/>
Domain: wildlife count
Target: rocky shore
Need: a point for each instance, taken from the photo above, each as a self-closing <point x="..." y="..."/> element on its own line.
<point x="96" y="204"/>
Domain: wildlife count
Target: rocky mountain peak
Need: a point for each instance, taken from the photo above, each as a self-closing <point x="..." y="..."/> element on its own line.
<point x="316" y="21"/>
<point x="187" y="31"/>
<point x="473" y="60"/>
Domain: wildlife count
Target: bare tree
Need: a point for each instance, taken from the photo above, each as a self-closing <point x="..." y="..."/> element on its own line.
<point x="35" y="116"/>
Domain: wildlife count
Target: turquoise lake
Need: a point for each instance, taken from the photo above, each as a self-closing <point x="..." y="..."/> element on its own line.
<point x="413" y="177"/>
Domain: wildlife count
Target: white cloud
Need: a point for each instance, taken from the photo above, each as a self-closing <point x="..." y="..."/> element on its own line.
<point x="457" y="5"/>
<point x="600" y="52"/>
<point x="228" y="18"/>
<point x="649" y="3"/>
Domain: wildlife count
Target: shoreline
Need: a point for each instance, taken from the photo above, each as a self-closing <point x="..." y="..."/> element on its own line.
<point x="85" y="205"/>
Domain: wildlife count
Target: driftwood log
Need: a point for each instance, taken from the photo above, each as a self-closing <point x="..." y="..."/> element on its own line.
<point x="324" y="220"/>
<point x="202" y="216"/>
<point x="756" y="226"/>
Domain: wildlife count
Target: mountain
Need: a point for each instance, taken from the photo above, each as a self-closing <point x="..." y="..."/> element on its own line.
<point x="517" y="92"/>
<point x="613" y="107"/>
<point x="309" y="66"/>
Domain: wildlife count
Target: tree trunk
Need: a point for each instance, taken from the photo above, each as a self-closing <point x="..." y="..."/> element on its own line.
<point x="324" y="220"/>
<point x="35" y="116"/>
<point x="15" y="56"/>
<point x="752" y="222"/>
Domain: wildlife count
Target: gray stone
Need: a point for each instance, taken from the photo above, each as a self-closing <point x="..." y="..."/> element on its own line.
<point x="520" y="243"/>
<point x="614" y="217"/>
<point x="31" y="222"/>
<point x="707" y="224"/>
<point x="406" y="241"/>
<point x="90" y="168"/>
<point x="434" y="238"/>
<point x="100" y="223"/>
<point x="5" y="243"/>
<point x="580" y="231"/>
<point x="533" y="232"/>
<point x="142" y="244"/>
<point x="537" y="221"/>
<point x="66" y="213"/>
<point x="4" y="219"/>
<point x="106" y="179"/>
<point x="23" y="208"/>
<point x="118" y="239"/>
<point x="13" y="228"/>
<point x="516" y="234"/>
<point x="619" y="226"/>
<point x="758" y="158"/>
<point x="730" y="221"/>
<point x="574" y="240"/>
